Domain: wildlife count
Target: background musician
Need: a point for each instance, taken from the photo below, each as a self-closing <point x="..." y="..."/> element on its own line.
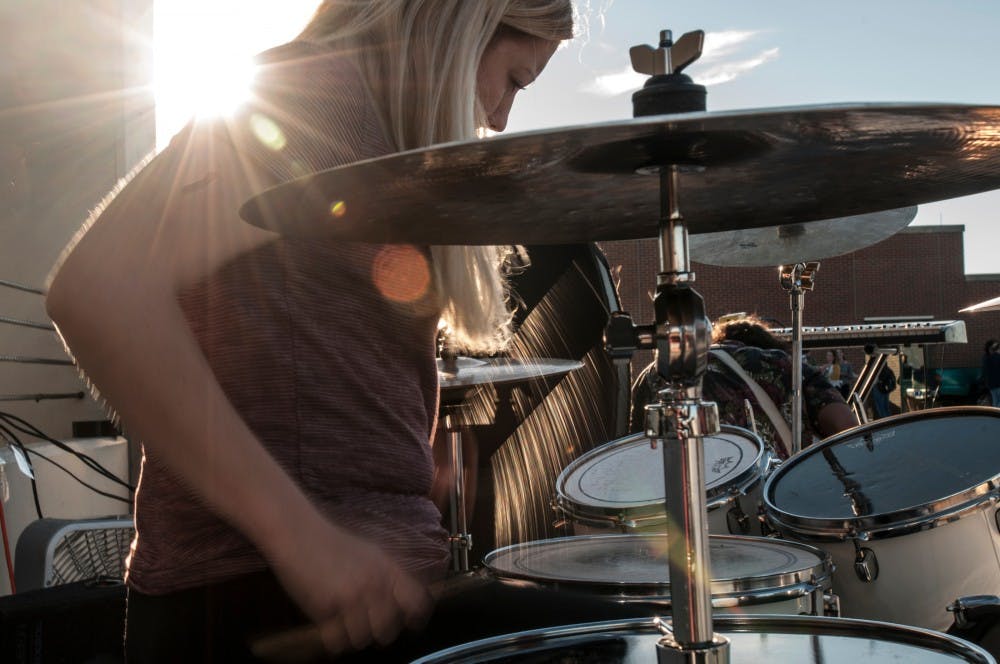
<point x="765" y="360"/>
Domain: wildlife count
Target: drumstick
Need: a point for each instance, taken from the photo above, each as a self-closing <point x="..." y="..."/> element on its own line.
<point x="303" y="644"/>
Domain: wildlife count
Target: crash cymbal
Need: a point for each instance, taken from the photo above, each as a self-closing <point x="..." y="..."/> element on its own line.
<point x="469" y="372"/>
<point x="743" y="169"/>
<point x="988" y="305"/>
<point x="797" y="243"/>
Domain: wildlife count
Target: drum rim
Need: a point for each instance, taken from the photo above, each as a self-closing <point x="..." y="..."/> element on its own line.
<point x="654" y="512"/>
<point x="888" y="524"/>
<point x="806" y="625"/>
<point x="726" y="592"/>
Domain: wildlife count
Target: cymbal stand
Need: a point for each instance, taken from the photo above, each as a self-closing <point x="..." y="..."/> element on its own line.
<point x="681" y="337"/>
<point x="797" y="279"/>
<point x="461" y="539"/>
<point x="450" y="413"/>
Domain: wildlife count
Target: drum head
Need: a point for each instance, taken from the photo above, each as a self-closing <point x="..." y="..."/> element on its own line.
<point x="799" y="639"/>
<point x="628" y="473"/>
<point x="901" y="470"/>
<point x="638" y="563"/>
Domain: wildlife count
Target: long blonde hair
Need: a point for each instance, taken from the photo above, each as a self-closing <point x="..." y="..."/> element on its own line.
<point x="420" y="59"/>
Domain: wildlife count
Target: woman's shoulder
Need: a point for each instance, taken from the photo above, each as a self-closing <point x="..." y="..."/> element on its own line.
<point x="309" y="110"/>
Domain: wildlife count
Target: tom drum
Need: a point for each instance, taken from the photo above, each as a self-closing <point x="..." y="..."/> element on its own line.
<point x="749" y="574"/>
<point x="907" y="507"/>
<point x="619" y="485"/>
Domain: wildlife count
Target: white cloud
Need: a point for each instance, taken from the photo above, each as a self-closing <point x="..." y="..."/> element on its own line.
<point x="720" y="44"/>
<point x="610" y="85"/>
<point x="724" y="58"/>
<point x="725" y="71"/>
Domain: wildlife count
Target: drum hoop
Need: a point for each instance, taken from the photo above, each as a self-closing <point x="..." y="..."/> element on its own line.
<point x="652" y="511"/>
<point x="726" y="592"/>
<point x="889" y="524"/>
<point x="579" y="634"/>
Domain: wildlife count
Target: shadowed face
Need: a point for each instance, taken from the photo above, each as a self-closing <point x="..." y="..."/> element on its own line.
<point x="512" y="60"/>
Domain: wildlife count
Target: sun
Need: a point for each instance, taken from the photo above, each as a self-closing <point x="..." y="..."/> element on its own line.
<point x="204" y="53"/>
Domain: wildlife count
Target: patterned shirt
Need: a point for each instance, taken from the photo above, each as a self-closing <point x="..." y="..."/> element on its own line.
<point x="326" y="350"/>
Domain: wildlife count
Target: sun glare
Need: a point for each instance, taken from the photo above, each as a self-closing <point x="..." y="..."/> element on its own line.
<point x="204" y="52"/>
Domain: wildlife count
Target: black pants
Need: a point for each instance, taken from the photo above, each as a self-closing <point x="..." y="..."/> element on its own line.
<point x="216" y="623"/>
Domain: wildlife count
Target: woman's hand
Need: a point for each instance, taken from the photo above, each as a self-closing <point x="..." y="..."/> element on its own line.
<point x="354" y="593"/>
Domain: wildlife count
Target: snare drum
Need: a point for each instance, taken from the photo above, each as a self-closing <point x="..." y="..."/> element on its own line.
<point x="907" y="508"/>
<point x="750" y="574"/>
<point x="619" y="485"/>
<point x="752" y="639"/>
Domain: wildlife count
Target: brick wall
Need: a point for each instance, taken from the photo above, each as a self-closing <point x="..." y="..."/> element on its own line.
<point x="917" y="272"/>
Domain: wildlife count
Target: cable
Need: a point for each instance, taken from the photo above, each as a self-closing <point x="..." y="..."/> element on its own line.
<point x="70" y="473"/>
<point x="90" y="462"/>
<point x="14" y="441"/>
<point x="6" y="549"/>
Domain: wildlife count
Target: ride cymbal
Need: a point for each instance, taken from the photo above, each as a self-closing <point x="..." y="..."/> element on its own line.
<point x="798" y="243"/>
<point x="741" y="170"/>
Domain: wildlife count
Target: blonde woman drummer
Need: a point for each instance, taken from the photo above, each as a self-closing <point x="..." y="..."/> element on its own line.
<point x="284" y="391"/>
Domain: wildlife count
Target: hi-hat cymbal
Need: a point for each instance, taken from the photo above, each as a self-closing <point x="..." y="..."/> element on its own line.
<point x="797" y="243"/>
<point x="472" y="372"/>
<point x="743" y="169"/>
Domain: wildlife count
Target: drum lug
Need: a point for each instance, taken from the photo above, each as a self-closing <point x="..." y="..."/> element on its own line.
<point x="996" y="517"/>
<point x="865" y="563"/>
<point x="765" y="527"/>
<point x="831" y="605"/>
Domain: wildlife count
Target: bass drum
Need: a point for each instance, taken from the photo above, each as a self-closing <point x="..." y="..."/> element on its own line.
<point x="619" y="486"/>
<point x="749" y="574"/>
<point x="907" y="507"/>
<point x="752" y="639"/>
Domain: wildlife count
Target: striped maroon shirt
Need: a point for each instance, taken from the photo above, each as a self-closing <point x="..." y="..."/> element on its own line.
<point x="325" y="349"/>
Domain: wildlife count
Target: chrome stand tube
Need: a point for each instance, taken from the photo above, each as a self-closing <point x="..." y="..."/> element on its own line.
<point x="797" y="279"/>
<point x="679" y="421"/>
<point x="461" y="540"/>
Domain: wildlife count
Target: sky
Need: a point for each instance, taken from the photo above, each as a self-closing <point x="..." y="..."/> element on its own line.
<point x="757" y="55"/>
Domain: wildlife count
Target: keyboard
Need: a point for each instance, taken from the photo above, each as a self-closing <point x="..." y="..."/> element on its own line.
<point x="884" y="334"/>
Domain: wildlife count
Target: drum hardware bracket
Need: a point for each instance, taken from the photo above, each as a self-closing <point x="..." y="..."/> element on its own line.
<point x="865" y="563"/>
<point x="737" y="519"/>
<point x="970" y="608"/>
<point x="668" y="651"/>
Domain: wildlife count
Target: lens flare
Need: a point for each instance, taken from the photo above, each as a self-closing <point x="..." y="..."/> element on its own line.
<point x="401" y="274"/>
<point x="338" y="209"/>
<point x="267" y="132"/>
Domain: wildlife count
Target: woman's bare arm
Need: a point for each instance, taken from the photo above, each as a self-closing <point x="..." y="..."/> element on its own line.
<point x="114" y="299"/>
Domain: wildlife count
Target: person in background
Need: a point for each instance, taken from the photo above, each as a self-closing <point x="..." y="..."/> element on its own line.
<point x="991" y="369"/>
<point x="831" y="369"/>
<point x="285" y="390"/>
<point x="764" y="359"/>
<point x="847" y="375"/>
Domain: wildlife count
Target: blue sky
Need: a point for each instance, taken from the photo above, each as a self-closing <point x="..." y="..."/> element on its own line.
<point x="758" y="54"/>
<point x="781" y="53"/>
